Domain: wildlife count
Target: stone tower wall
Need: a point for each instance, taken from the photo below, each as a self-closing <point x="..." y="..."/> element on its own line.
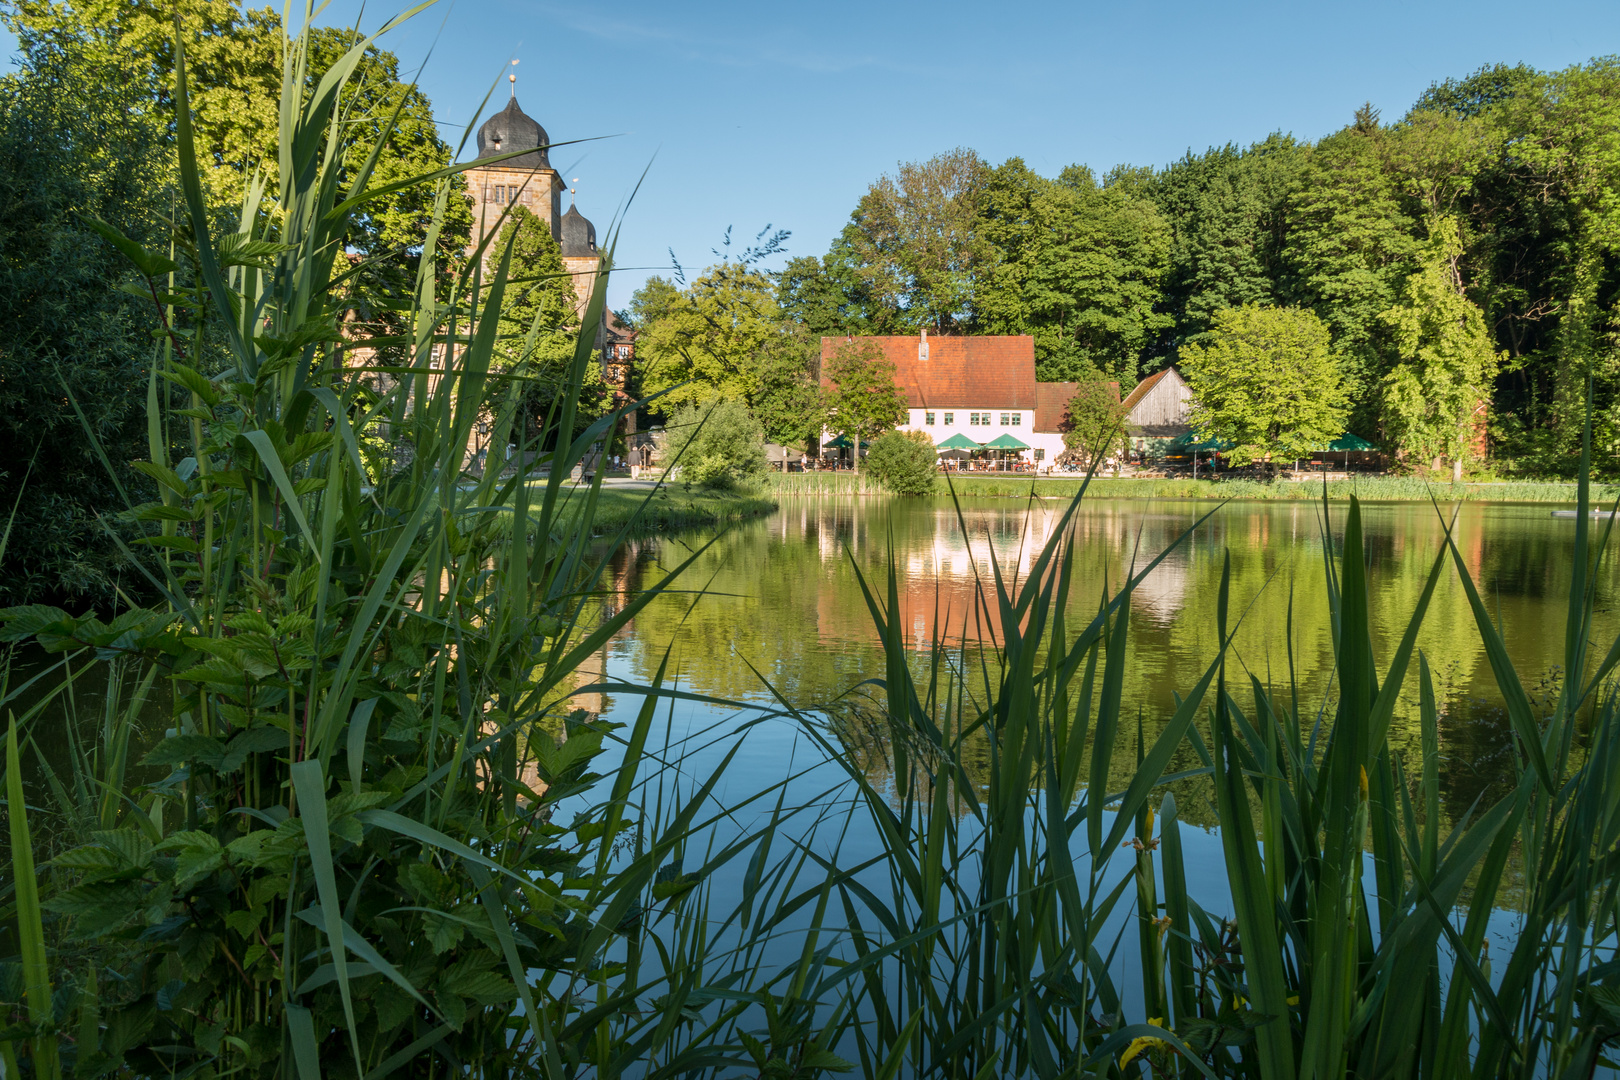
<point x="538" y="190"/>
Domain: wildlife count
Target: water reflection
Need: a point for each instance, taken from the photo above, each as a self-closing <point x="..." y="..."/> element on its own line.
<point x="783" y="594"/>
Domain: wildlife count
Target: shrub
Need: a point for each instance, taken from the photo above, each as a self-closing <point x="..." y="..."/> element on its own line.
<point x="718" y="444"/>
<point x="903" y="462"/>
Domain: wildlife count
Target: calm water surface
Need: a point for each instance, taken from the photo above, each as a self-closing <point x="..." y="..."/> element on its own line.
<point x="781" y="596"/>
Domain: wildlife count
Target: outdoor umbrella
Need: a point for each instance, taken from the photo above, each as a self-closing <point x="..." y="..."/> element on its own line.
<point x="957" y="442"/>
<point x="1348" y="442"/>
<point x="1006" y="442"/>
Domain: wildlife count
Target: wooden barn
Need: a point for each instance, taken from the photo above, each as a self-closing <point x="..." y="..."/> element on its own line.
<point x="1156" y="411"/>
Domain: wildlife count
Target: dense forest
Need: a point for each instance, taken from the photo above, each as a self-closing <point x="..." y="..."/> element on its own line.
<point x="1463" y="259"/>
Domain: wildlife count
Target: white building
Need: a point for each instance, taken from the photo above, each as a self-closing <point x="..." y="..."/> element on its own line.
<point x="980" y="387"/>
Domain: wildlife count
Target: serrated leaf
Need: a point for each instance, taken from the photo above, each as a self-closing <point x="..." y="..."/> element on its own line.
<point x="183" y="749"/>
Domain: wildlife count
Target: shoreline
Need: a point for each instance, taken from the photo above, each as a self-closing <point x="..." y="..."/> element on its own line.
<point x="1367" y="489"/>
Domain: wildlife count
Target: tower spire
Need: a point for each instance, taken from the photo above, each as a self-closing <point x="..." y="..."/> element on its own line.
<point x="512" y="79"/>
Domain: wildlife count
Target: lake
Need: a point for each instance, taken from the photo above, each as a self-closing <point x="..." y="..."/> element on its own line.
<point x="781" y="596"/>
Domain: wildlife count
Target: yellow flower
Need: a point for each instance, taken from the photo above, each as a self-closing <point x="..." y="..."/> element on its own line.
<point x="1141" y="1043"/>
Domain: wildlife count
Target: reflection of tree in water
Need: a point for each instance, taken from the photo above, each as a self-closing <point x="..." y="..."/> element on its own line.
<point x="781" y="593"/>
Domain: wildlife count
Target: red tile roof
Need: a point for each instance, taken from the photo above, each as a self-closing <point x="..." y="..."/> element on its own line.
<point x="987" y="372"/>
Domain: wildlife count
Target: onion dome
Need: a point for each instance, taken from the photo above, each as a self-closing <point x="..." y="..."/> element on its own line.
<point x="578" y="235"/>
<point x="513" y="129"/>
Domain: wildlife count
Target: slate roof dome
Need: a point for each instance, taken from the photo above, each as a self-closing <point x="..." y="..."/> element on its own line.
<point x="578" y="235"/>
<point x="513" y="129"/>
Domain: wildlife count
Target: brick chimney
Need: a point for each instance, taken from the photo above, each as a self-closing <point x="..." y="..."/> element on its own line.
<point x="922" y="345"/>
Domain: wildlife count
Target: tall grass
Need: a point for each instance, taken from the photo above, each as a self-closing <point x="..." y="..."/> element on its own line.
<point x="349" y="861"/>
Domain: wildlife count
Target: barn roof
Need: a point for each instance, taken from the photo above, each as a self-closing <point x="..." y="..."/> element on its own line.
<point x="1143" y="388"/>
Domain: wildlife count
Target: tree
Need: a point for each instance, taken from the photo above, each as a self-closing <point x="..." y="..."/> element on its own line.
<point x="865" y="402"/>
<point x="917" y="241"/>
<point x="76" y="140"/>
<point x="1350" y="242"/>
<point x="1435" y="395"/>
<point x="1266" y="381"/>
<point x="788" y="401"/>
<point x="233" y="70"/>
<point x="539" y="322"/>
<point x="833" y="295"/>
<point x="904" y="462"/>
<point x="1094" y="423"/>
<point x="1228" y="209"/>
<point x="1081" y="269"/>
<point x="717" y="444"/>
<point x="705" y="341"/>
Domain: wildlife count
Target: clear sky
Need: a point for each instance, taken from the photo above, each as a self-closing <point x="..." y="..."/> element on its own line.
<point x="745" y="115"/>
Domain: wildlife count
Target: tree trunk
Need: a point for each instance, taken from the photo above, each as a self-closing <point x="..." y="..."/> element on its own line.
<point x="1456" y="470"/>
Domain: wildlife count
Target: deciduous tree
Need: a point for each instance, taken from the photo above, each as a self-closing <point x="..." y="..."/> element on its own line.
<point x="1265" y="380"/>
<point x="864" y="402"/>
<point x="1436" y="393"/>
<point x="1094" y="422"/>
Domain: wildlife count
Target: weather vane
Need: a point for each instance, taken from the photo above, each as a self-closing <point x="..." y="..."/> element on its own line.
<point x="512" y="78"/>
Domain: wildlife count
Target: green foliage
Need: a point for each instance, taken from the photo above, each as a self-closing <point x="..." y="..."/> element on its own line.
<point x="1265" y="381"/>
<point x="1081" y="268"/>
<point x="917" y="241"/>
<point x="1435" y="394"/>
<point x="708" y="338"/>
<point x="343" y="852"/>
<point x="788" y="402"/>
<point x="716" y="444"/>
<point x="1094" y="423"/>
<point x="1229" y="209"/>
<point x="75" y="144"/>
<point x="1350" y="243"/>
<point x="539" y="322"/>
<point x="864" y="401"/>
<point x="904" y="462"/>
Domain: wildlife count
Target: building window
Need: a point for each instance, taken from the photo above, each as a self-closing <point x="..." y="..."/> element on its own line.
<point x="950" y="418"/>
<point x="973" y="419"/>
<point x="622" y="352"/>
<point x="1040" y="454"/>
<point x="1017" y="418"/>
<point x="928" y="419"/>
<point x="498" y="193"/>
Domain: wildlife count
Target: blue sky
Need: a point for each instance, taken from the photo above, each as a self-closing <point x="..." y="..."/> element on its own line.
<point x="745" y="115"/>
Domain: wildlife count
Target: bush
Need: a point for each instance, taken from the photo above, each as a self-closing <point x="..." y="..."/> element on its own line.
<point x="718" y="444"/>
<point x="903" y="462"/>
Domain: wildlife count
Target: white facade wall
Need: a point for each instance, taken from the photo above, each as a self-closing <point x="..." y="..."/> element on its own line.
<point x="948" y="422"/>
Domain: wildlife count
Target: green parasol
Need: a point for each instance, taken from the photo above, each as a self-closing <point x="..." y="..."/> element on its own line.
<point x="1347" y="441"/>
<point x="957" y="442"/>
<point x="1005" y="442"/>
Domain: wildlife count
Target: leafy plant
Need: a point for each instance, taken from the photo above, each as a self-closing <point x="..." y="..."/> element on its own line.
<point x="904" y="462"/>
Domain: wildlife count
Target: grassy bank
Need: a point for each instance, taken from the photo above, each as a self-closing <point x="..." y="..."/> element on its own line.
<point x="668" y="509"/>
<point x="1366" y="488"/>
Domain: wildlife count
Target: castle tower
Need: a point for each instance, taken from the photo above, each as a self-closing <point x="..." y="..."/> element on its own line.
<point x="577" y="238"/>
<point x="528" y="178"/>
